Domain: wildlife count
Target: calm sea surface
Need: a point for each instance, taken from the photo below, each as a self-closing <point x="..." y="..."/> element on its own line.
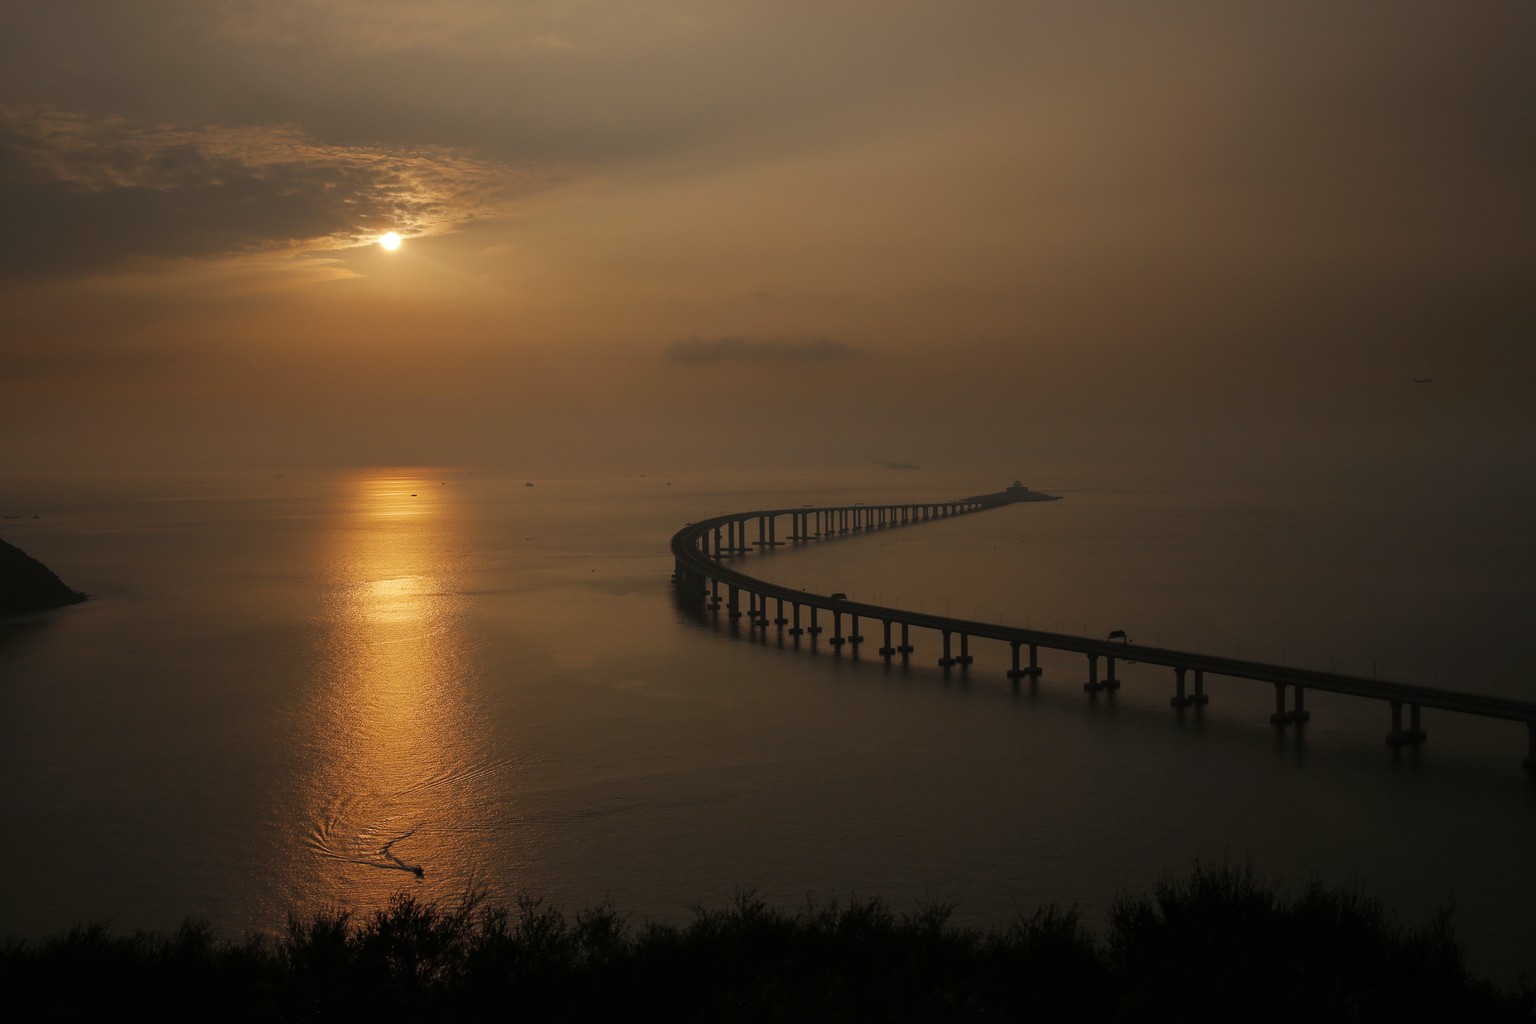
<point x="289" y="693"/>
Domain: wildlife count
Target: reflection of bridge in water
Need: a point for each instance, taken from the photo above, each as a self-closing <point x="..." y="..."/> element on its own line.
<point x="701" y="550"/>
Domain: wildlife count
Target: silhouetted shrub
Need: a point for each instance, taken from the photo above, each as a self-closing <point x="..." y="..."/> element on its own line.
<point x="1219" y="944"/>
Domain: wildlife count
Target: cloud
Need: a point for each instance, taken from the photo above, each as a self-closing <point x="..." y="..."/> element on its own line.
<point x="768" y="350"/>
<point x="79" y="194"/>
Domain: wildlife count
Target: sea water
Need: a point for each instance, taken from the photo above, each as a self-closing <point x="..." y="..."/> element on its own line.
<point x="317" y="691"/>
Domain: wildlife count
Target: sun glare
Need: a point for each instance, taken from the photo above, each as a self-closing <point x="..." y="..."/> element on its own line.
<point x="390" y="241"/>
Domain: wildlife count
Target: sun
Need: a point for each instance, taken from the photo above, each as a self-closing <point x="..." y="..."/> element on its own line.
<point x="390" y="240"/>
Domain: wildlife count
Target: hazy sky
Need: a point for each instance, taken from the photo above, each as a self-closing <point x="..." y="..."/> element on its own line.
<point x="695" y="233"/>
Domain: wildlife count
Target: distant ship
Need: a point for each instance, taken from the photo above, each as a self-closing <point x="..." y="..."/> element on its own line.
<point x="1015" y="491"/>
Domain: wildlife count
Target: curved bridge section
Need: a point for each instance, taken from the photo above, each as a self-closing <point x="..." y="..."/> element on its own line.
<point x="706" y="553"/>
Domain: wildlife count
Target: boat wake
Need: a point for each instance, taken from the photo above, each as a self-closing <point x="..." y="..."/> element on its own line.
<point x="374" y="829"/>
<point x="361" y="849"/>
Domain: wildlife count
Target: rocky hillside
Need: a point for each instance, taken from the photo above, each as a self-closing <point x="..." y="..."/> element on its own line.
<point x="27" y="585"/>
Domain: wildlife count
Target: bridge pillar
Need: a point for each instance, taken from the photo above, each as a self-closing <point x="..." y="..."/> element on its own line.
<point x="733" y="602"/>
<point x="714" y="595"/>
<point x="965" y="651"/>
<point x="1178" y="700"/>
<point x="1400" y="736"/>
<point x="778" y="619"/>
<point x="795" y="630"/>
<point x="1299" y="712"/>
<point x="1092" y="685"/>
<point x="1034" y="665"/>
<point x="690" y="583"/>
<point x="853" y="630"/>
<point x="1110" y="682"/>
<point x="837" y="630"/>
<point x="1200" y="697"/>
<point x="946" y="660"/>
<point x="1015" y="673"/>
<point x="1279" y="717"/>
<point x="905" y="647"/>
<point x="886" y="649"/>
<point x="813" y="629"/>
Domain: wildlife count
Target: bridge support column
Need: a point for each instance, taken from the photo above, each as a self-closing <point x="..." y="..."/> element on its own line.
<point x="1110" y="682"/>
<point x="965" y="651"/>
<point x="1034" y="664"/>
<point x="714" y="595"/>
<point x="778" y="619"/>
<point x="795" y="630"/>
<point x="813" y="628"/>
<point x="854" y="639"/>
<point x="1299" y="712"/>
<point x="905" y="647"/>
<point x="1015" y="673"/>
<point x="1200" y="697"/>
<point x="1280" y="717"/>
<point x="1178" y="700"/>
<point x="733" y="602"/>
<point x="886" y="649"/>
<point x="689" y="583"/>
<point x="837" y="631"/>
<point x="946" y="660"/>
<point x="1093" y="685"/>
<point x="1400" y="736"/>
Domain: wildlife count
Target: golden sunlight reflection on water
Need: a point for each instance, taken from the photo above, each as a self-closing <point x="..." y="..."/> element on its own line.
<point x="391" y="732"/>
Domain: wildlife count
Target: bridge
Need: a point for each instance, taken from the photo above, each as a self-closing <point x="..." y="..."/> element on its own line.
<point x="702" y="551"/>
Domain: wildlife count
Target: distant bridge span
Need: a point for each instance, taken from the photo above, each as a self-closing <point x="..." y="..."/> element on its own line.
<point x="702" y="549"/>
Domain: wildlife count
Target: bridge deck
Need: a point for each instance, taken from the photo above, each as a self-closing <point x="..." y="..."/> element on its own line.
<point x="689" y="546"/>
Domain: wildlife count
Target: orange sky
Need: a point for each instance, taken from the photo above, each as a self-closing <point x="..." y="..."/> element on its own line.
<point x="639" y="234"/>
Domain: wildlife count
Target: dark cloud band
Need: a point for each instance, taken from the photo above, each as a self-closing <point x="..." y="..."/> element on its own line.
<point x="80" y="194"/>
<point x="768" y="350"/>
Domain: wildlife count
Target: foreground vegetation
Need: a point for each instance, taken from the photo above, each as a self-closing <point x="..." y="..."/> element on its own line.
<point x="1220" y="944"/>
